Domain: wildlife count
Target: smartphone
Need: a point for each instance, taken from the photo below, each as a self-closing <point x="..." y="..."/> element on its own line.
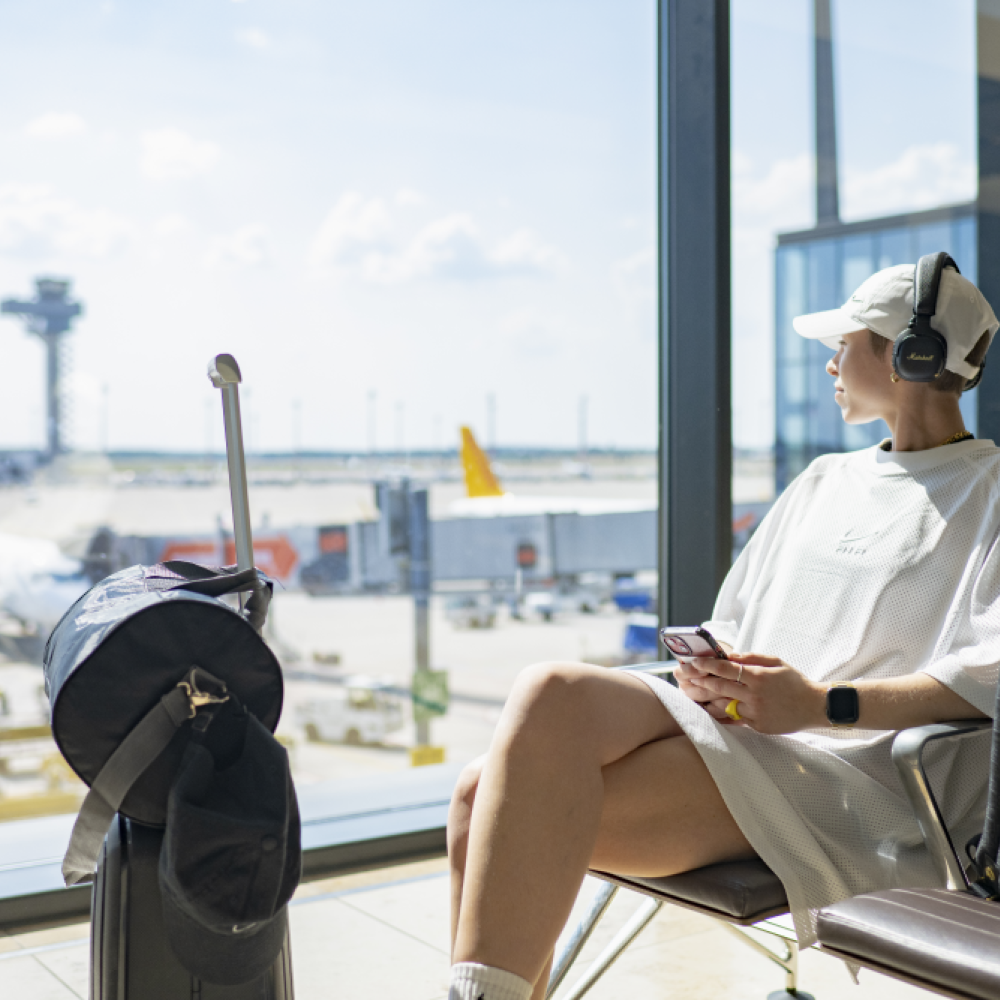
<point x="686" y="643"/>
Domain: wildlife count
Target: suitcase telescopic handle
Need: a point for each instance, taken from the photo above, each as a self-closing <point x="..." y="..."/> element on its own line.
<point x="225" y="375"/>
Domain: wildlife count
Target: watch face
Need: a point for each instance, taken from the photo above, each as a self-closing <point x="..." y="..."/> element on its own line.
<point x="842" y="706"/>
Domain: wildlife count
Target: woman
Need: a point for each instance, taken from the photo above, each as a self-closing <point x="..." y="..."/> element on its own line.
<point x="879" y="567"/>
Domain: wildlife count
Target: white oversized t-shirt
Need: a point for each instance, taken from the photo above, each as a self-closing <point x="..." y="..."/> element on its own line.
<point x="871" y="564"/>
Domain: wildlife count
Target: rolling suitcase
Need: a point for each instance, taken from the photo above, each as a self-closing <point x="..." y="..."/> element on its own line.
<point x="130" y="955"/>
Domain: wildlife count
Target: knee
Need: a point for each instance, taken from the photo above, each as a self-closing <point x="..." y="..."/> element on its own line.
<point x="550" y="700"/>
<point x="460" y="811"/>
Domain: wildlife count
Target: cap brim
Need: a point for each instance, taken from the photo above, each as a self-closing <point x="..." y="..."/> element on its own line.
<point x="222" y="959"/>
<point x="827" y="326"/>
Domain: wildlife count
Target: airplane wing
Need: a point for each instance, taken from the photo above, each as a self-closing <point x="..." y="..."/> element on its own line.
<point x="37" y="582"/>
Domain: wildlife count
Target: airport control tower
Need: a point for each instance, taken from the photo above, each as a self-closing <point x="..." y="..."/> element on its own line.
<point x="49" y="317"/>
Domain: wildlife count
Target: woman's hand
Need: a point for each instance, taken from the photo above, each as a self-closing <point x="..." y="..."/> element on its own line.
<point x="773" y="696"/>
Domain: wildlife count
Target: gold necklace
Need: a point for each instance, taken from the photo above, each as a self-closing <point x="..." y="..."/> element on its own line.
<point x="886" y="445"/>
<point x="955" y="438"/>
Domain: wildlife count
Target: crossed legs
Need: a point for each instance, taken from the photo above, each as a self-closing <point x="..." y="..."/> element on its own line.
<point x="586" y="769"/>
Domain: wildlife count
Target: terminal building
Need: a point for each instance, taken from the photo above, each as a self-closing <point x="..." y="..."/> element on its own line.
<point x="818" y="269"/>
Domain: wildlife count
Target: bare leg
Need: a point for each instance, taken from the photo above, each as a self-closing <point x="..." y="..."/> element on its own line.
<point x="542" y="983"/>
<point x="459" y="819"/>
<point x="563" y="747"/>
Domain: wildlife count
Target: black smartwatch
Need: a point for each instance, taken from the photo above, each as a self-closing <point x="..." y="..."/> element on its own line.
<point x="842" y="706"/>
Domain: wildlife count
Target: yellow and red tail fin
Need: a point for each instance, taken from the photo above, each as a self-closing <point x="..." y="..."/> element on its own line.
<point x="480" y="480"/>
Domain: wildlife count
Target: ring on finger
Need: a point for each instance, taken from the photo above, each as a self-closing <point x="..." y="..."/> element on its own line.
<point x="733" y="711"/>
<point x="739" y="676"/>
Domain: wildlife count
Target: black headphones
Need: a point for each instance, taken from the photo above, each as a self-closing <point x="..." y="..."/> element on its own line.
<point x="920" y="352"/>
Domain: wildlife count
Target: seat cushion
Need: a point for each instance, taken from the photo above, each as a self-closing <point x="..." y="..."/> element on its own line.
<point x="743" y="890"/>
<point x="947" y="939"/>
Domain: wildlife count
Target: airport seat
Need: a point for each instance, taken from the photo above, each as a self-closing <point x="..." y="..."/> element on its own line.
<point x="747" y="894"/>
<point x="946" y="940"/>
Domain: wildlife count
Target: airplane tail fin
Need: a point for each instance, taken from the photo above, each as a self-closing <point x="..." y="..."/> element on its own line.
<point x="480" y="480"/>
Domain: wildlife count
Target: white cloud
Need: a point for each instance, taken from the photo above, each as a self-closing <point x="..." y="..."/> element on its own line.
<point x="635" y="276"/>
<point x="407" y="197"/>
<point x="782" y="198"/>
<point x="527" y="331"/>
<point x="170" y="154"/>
<point x="55" y="125"/>
<point x="448" y="247"/>
<point x="254" y="38"/>
<point x="247" y="247"/>
<point x="355" y="236"/>
<point x="778" y="199"/>
<point x="766" y="200"/>
<point x="923" y="176"/>
<point x="35" y="222"/>
<point x="360" y="237"/>
<point x="171" y="225"/>
<point x="524" y="253"/>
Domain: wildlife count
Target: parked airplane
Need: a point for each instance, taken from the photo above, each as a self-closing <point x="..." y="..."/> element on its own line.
<point x="37" y="584"/>
<point x="486" y="497"/>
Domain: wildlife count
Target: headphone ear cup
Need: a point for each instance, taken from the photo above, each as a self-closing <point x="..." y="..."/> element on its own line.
<point x="919" y="356"/>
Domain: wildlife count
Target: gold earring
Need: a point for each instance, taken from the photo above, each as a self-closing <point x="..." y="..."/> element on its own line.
<point x="894" y="377"/>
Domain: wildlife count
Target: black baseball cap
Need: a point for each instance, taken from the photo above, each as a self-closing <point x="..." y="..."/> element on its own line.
<point x="231" y="855"/>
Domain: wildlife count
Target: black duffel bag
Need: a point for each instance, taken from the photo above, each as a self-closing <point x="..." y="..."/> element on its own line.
<point x="128" y="670"/>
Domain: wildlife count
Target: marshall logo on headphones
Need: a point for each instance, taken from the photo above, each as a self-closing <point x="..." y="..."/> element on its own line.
<point x="919" y="357"/>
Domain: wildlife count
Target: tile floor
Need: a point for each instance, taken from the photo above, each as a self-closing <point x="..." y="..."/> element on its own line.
<point x="385" y="934"/>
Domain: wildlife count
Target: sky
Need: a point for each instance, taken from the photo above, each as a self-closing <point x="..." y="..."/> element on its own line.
<point x="403" y="207"/>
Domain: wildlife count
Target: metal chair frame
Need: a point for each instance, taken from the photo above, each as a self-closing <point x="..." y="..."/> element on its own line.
<point x="787" y="958"/>
<point x="907" y="754"/>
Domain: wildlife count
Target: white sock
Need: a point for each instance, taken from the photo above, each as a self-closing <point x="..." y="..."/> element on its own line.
<point x="471" y="981"/>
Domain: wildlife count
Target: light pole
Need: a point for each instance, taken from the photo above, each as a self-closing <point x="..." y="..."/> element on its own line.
<point x="297" y="426"/>
<point x="420" y="585"/>
<point x="491" y="424"/>
<point x="105" y="417"/>
<point x="372" y="397"/>
<point x="297" y="436"/>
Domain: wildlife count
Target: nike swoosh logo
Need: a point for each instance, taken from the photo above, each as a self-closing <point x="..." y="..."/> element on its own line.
<point x="858" y="538"/>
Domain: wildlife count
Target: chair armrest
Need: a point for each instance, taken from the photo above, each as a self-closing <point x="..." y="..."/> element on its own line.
<point x="662" y="668"/>
<point x="907" y="755"/>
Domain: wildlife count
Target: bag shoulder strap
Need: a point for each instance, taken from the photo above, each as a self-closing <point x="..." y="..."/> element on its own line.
<point x="147" y="740"/>
<point x="217" y="581"/>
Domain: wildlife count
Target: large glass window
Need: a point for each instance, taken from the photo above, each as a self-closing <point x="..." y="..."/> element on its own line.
<point x="403" y="218"/>
<point x="856" y="263"/>
<point x="894" y="247"/>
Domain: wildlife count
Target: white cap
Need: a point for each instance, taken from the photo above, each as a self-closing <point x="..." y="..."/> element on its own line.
<point x="884" y="303"/>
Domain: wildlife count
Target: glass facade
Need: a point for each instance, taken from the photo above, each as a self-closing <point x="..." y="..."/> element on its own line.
<point x="422" y="248"/>
<point x="819" y="269"/>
